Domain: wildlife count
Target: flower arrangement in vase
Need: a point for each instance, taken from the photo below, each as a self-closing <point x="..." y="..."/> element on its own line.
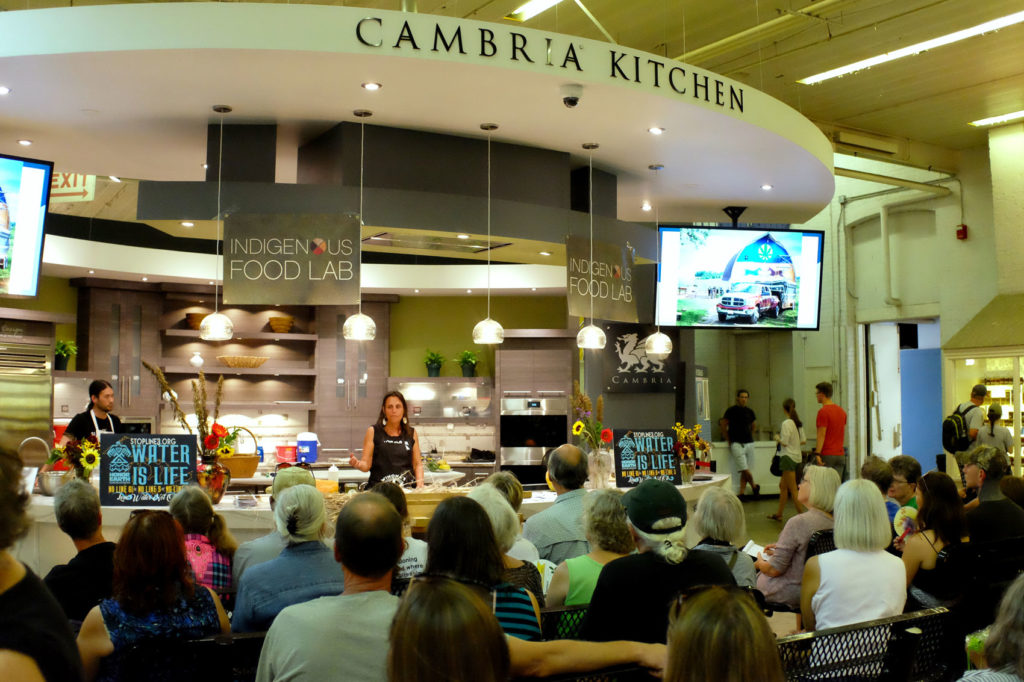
<point x="80" y="456"/>
<point x="592" y="434"/>
<point x="688" y="445"/>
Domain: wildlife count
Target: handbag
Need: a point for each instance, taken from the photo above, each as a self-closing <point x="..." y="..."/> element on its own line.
<point x="776" y="467"/>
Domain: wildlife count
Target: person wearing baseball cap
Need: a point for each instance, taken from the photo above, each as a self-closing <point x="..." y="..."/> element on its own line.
<point x="634" y="593"/>
<point x="270" y="545"/>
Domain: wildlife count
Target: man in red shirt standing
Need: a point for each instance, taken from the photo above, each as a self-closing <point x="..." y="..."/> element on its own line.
<point x="831" y="423"/>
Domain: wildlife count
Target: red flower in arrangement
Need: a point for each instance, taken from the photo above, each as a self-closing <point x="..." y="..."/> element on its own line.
<point x="211" y="442"/>
<point x="218" y="430"/>
<point x="606" y="435"/>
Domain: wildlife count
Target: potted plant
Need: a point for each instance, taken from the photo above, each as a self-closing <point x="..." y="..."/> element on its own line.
<point x="467" y="361"/>
<point x="433" y="360"/>
<point x="62" y="352"/>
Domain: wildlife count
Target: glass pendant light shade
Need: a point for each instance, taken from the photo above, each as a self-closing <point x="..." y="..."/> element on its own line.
<point x="658" y="346"/>
<point x="488" y="331"/>
<point x="591" y="336"/>
<point x="216" y="327"/>
<point x="359" y="327"/>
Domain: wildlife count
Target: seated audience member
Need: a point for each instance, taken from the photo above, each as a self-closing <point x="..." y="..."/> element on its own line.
<point x="720" y="523"/>
<point x="781" y="565"/>
<point x="1004" y="648"/>
<point x="304" y="570"/>
<point x="445" y="630"/>
<point x="155" y="597"/>
<point x="414" y="556"/>
<point x="557" y="532"/>
<point x="878" y="471"/>
<point x="718" y="633"/>
<point x="509" y="486"/>
<point x="604" y="521"/>
<point x="633" y="593"/>
<point x="905" y="472"/>
<point x="209" y="544"/>
<point x="995" y="434"/>
<point x="940" y="523"/>
<point x="88" y="578"/>
<point x="1013" y="488"/>
<point x="461" y="545"/>
<point x="859" y="580"/>
<point x="996" y="517"/>
<point x="270" y="545"/>
<point x="506" y="527"/>
<point x="343" y="637"/>
<point x="35" y="638"/>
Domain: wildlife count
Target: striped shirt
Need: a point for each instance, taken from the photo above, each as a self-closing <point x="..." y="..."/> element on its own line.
<point x="514" y="610"/>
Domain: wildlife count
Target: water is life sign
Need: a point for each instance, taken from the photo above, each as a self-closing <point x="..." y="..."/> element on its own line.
<point x="145" y="469"/>
<point x="642" y="454"/>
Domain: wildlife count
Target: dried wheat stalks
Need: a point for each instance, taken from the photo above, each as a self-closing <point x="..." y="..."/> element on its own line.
<point x="166" y="388"/>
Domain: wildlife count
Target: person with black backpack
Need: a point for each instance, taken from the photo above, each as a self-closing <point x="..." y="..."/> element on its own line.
<point x="960" y="431"/>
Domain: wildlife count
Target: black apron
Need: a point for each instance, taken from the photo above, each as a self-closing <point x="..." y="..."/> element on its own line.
<point x="391" y="455"/>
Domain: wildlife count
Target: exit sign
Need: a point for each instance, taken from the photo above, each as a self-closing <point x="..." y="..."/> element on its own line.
<point x="68" y="187"/>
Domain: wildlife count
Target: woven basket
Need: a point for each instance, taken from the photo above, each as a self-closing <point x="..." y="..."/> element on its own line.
<point x="241" y="466"/>
<point x="243" y="361"/>
<point x="281" y="325"/>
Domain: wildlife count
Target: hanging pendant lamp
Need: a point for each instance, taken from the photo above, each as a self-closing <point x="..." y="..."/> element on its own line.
<point x="591" y="336"/>
<point x="360" y="327"/>
<point x="217" y="326"/>
<point x="488" y="331"/>
<point x="658" y="345"/>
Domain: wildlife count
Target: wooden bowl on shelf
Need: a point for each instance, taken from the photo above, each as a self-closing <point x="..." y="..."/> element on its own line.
<point x="194" y="319"/>
<point x="243" y="361"/>
<point x="241" y="466"/>
<point x="281" y="325"/>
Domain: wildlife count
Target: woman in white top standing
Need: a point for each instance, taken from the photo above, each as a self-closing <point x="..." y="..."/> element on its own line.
<point x="790" y="438"/>
<point x="995" y="434"/>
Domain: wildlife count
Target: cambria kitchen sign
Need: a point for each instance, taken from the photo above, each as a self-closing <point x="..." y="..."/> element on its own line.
<point x="291" y="259"/>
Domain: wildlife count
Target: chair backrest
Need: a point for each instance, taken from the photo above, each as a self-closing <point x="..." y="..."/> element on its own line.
<point x="821" y="541"/>
<point x="983" y="572"/>
<point x="221" y="658"/>
<point x="562" y="622"/>
<point x="911" y="646"/>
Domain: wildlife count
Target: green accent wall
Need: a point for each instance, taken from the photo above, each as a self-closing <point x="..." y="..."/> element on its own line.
<point x="445" y="324"/>
<point x="56" y="295"/>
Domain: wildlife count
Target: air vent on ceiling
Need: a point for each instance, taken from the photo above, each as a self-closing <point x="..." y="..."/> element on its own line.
<point x="880" y="145"/>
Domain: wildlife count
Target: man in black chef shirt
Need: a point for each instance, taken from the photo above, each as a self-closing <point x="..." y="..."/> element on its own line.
<point x="738" y="426"/>
<point x="96" y="418"/>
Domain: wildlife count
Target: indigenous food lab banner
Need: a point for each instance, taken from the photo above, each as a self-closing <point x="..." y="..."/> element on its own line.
<point x="291" y="259"/>
<point x="645" y="454"/>
<point x="145" y="469"/>
<point x="607" y="280"/>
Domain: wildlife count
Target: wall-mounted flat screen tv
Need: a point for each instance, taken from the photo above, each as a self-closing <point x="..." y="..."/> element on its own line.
<point x="725" y="277"/>
<point x="24" y="199"/>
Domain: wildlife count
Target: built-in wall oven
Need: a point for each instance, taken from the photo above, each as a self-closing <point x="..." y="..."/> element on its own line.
<point x="530" y="426"/>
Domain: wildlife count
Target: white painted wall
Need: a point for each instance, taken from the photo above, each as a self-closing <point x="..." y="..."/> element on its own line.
<point x="884" y="436"/>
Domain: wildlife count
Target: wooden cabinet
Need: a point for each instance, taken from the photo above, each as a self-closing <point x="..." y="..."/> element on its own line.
<point x="534" y="371"/>
<point x="118" y="329"/>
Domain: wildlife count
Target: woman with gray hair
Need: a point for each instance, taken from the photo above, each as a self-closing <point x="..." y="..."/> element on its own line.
<point x="505" y="523"/>
<point x="604" y="524"/>
<point x="720" y="523"/>
<point x="305" y="569"/>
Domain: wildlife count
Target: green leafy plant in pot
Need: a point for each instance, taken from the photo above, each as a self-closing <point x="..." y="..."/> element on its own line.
<point x="62" y="352"/>
<point x="433" y="360"/>
<point x="467" y="361"/>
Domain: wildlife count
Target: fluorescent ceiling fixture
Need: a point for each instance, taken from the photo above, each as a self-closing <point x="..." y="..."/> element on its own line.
<point x="371" y="86"/>
<point x="544" y="253"/>
<point x="646" y="206"/>
<point x="187" y="223"/>
<point x="766" y="187"/>
<point x="114" y="178"/>
<point x="916" y="48"/>
<point x="25" y="143"/>
<point x="531" y="9"/>
<point x="4" y="90"/>
<point x="993" y="120"/>
<point x="655" y="131"/>
<point x="462" y="236"/>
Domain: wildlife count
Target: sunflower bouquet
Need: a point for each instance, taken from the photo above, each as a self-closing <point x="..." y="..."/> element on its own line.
<point x="220" y="441"/>
<point x="588" y="427"/>
<point x="689" y="442"/>
<point x="80" y="456"/>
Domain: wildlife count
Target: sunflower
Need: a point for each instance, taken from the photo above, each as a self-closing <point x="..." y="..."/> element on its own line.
<point x="89" y="459"/>
<point x="225" y="451"/>
<point x="577" y="428"/>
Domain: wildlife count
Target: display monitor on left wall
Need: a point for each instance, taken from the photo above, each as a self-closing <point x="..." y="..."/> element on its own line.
<point x="24" y="200"/>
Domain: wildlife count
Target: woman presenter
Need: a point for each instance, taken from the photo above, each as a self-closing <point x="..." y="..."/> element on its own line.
<point x="391" y="446"/>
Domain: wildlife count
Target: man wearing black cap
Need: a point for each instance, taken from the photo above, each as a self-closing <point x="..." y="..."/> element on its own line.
<point x="633" y="594"/>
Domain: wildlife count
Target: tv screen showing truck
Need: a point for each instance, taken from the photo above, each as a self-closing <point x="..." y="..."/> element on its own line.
<point x="24" y="197"/>
<point x="724" y="277"/>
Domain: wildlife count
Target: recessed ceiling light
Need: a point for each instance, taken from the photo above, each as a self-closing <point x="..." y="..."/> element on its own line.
<point x="533" y="288"/>
<point x="916" y="48"/>
<point x="211" y="282"/>
<point x="469" y="291"/>
<point x="370" y="85"/>
<point x="92" y="272"/>
<point x="993" y="120"/>
<point x="766" y="187"/>
<point x="145" y="279"/>
<point x="25" y="143"/>
<point x="462" y="236"/>
<point x="415" y="291"/>
<point x="205" y="165"/>
<point x="655" y="131"/>
<point x="187" y="223"/>
<point x="4" y="90"/>
<point x="545" y="253"/>
<point x="646" y="206"/>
